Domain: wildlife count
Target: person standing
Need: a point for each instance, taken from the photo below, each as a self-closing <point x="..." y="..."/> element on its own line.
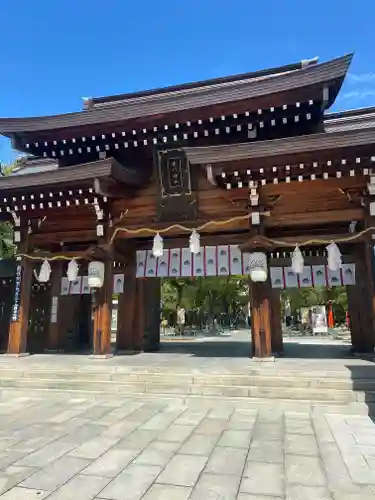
<point x="181" y="320"/>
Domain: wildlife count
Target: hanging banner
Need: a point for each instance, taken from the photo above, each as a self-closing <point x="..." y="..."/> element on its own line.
<point x="163" y="265"/>
<point x="235" y="261"/>
<point x="198" y="263"/>
<point x="348" y="274"/>
<point x="54" y="306"/>
<point x="223" y="260"/>
<point x="175" y="263"/>
<point x="118" y="283"/>
<point x="187" y="263"/>
<point x="245" y="264"/>
<point x="319" y="275"/>
<point x="319" y="319"/>
<point x="277" y="277"/>
<point x="85" y="289"/>
<point x="211" y="261"/>
<point x="151" y="265"/>
<point x="290" y="278"/>
<point x="305" y="278"/>
<point x="17" y="293"/>
<point x="75" y="286"/>
<point x="141" y="263"/>
<point x="334" y="277"/>
<point x="65" y="286"/>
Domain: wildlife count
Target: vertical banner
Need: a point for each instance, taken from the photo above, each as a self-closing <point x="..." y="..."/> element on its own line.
<point x="175" y="263"/>
<point x="65" y="286"/>
<point x="118" y="283"/>
<point x="235" y="261"/>
<point x="186" y="263"/>
<point x="290" y="278"/>
<point x="211" y="261"/>
<point x="141" y="263"/>
<point x="54" y="306"/>
<point x="75" y="286"/>
<point x="151" y="265"/>
<point x="277" y="277"/>
<point x="85" y="289"/>
<point x="163" y="265"/>
<point x="223" y="260"/>
<point x="198" y="263"/>
<point x="319" y="275"/>
<point x="348" y="274"/>
<point x="334" y="277"/>
<point x="245" y="264"/>
<point x="305" y="279"/>
<point x="17" y="293"/>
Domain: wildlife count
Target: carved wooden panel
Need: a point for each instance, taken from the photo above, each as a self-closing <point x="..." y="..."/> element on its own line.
<point x="177" y="199"/>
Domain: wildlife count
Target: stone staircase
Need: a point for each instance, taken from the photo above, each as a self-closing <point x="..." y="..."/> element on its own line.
<point x="297" y="388"/>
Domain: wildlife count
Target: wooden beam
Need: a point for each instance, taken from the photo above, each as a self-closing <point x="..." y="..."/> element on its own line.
<point x="316" y="217"/>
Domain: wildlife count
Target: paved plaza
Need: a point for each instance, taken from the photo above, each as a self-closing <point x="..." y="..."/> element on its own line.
<point x="60" y="448"/>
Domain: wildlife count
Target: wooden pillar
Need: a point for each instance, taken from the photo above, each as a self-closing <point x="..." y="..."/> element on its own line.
<point x="360" y="301"/>
<point x="53" y="341"/>
<point x="127" y="312"/>
<point x="151" y="298"/>
<point x="260" y="294"/>
<point x="139" y="321"/>
<point x="18" y="328"/>
<point x="103" y="314"/>
<point x="276" y="323"/>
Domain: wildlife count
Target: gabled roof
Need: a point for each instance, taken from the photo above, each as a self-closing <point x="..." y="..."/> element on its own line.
<point x="203" y="96"/>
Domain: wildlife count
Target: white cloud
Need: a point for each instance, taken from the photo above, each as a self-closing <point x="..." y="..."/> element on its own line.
<point x="361" y="78"/>
<point x="358" y="95"/>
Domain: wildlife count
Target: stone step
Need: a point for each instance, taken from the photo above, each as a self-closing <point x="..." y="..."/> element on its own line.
<point x="260" y="379"/>
<point x="334" y="395"/>
<point x="301" y="406"/>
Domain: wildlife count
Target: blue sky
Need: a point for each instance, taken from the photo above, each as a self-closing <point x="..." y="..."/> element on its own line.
<point x="53" y="53"/>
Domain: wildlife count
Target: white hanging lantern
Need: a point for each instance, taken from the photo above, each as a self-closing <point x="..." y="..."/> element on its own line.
<point x="297" y="261"/>
<point x="96" y="274"/>
<point x="334" y="257"/>
<point x="195" y="242"/>
<point x="44" y="273"/>
<point x="73" y="269"/>
<point x="258" y="268"/>
<point x="158" y="246"/>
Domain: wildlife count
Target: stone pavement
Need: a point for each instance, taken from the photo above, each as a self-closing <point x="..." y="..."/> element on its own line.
<point x="59" y="447"/>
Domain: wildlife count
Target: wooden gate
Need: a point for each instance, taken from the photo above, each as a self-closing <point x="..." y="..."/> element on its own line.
<point x="6" y="302"/>
<point x="39" y="317"/>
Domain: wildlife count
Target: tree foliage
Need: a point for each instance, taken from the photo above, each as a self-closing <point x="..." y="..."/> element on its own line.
<point x="307" y="297"/>
<point x="6" y="229"/>
<point x="205" y="298"/>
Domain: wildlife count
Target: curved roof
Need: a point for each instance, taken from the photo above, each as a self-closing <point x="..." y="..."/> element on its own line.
<point x="350" y="120"/>
<point x="278" y="147"/>
<point x="116" y="99"/>
<point x="188" y="98"/>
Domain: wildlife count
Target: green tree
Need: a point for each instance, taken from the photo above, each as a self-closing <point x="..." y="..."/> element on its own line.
<point x="6" y="229"/>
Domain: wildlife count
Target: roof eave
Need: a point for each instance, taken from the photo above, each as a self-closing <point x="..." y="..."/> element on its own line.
<point x="319" y="74"/>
